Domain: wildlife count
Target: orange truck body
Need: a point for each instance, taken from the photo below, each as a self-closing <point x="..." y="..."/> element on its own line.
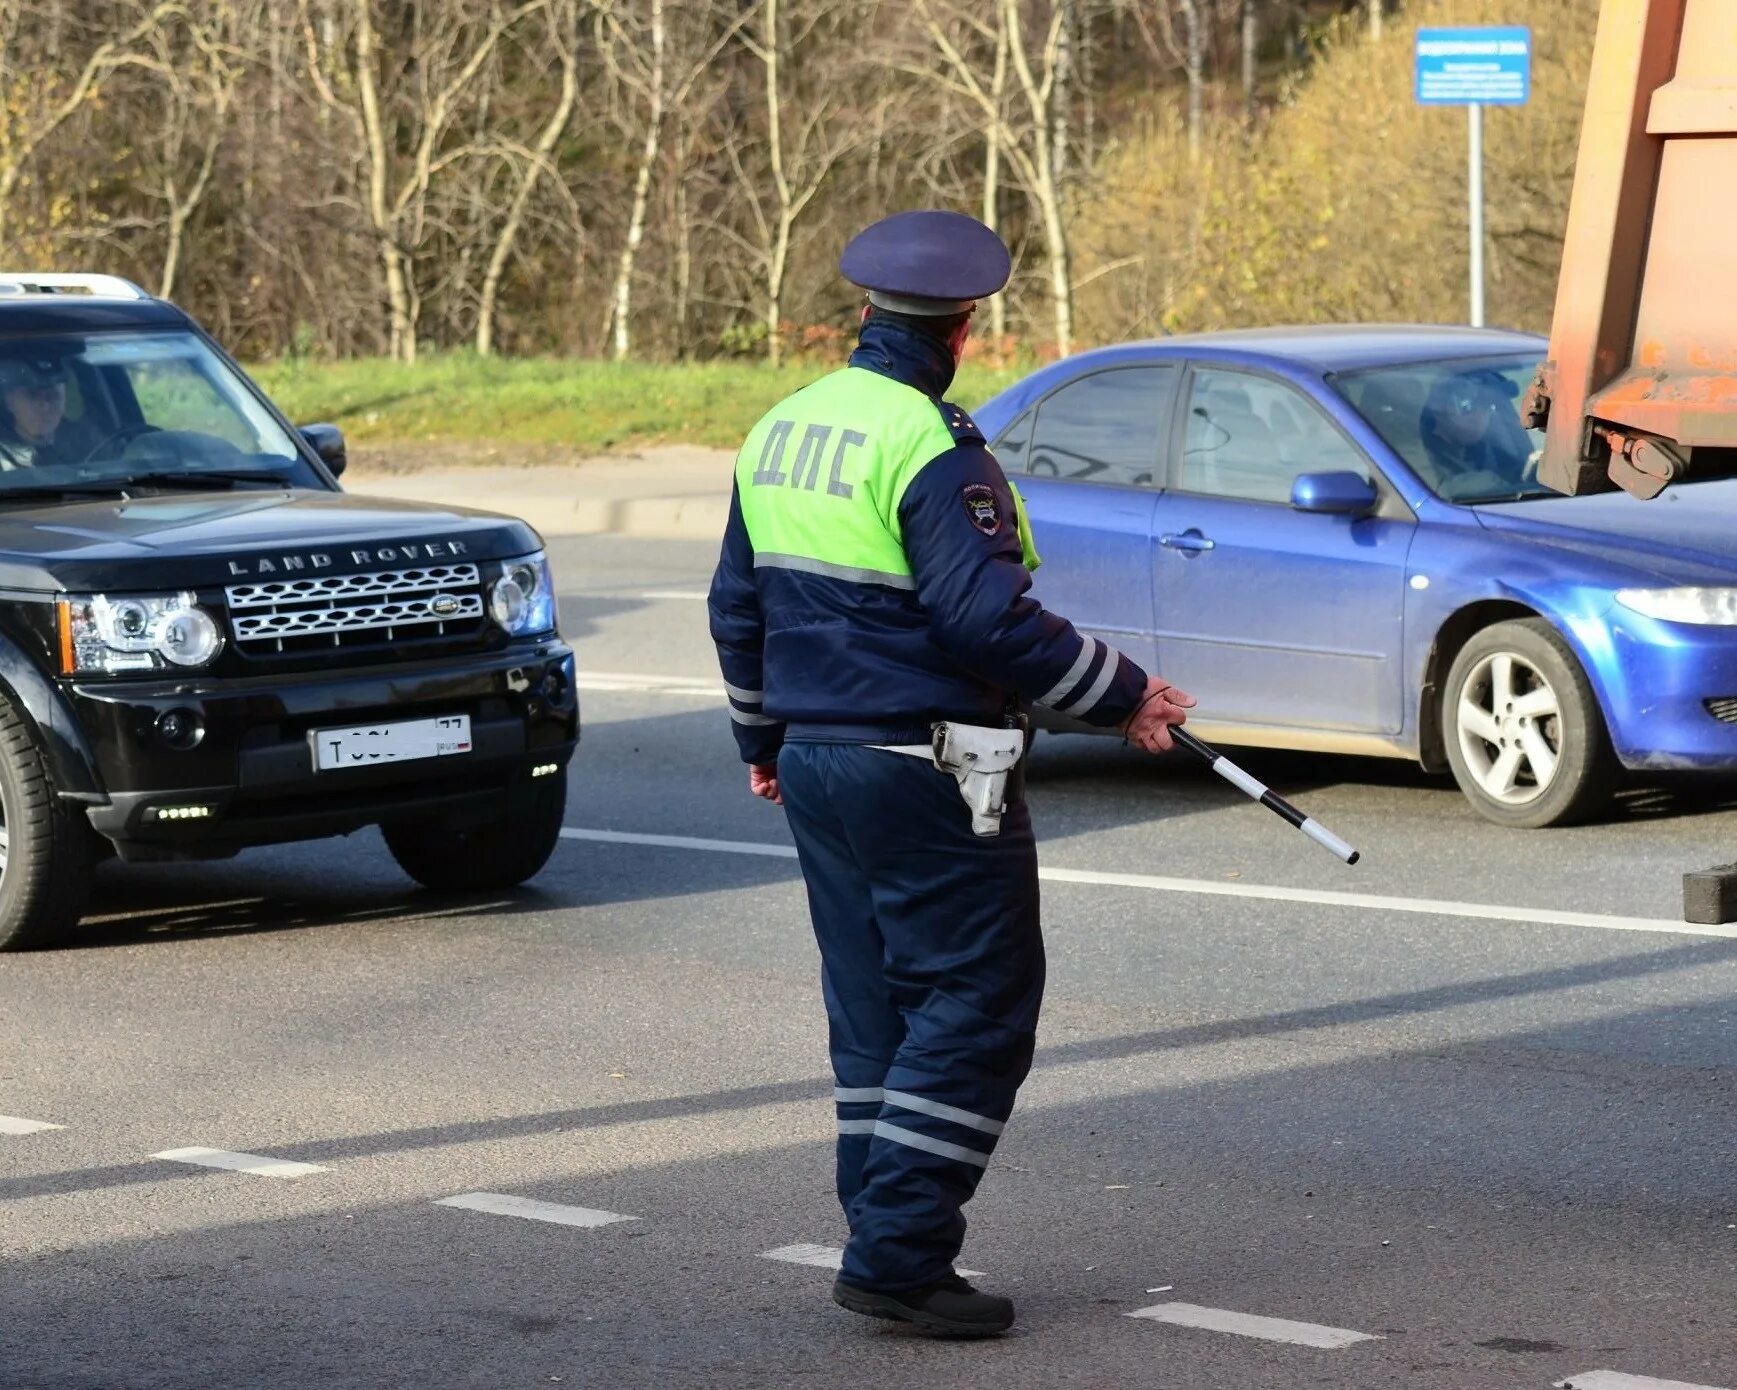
<point x="1640" y="384"/>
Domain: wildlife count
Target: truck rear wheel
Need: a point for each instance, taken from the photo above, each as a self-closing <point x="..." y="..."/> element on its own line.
<point x="1525" y="736"/>
<point x="45" y="845"/>
<point x="500" y="854"/>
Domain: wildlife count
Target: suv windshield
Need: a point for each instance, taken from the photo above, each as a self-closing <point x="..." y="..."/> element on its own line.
<point x="96" y="411"/>
<point x="1457" y="423"/>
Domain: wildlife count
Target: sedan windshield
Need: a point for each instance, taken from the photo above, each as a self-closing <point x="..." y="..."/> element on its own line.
<point x="102" y="412"/>
<point x="1457" y="423"/>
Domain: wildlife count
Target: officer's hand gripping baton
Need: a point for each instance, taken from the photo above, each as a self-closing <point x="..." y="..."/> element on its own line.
<point x="1258" y="791"/>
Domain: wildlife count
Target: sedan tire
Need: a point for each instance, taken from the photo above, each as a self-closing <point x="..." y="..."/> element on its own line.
<point x="1524" y="734"/>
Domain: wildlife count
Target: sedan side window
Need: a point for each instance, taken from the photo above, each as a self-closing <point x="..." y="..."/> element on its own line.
<point x="1251" y="437"/>
<point x="1012" y="448"/>
<point x="1102" y="428"/>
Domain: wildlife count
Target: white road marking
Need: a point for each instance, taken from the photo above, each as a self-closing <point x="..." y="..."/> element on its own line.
<point x="1429" y="907"/>
<point x="241" y="1163"/>
<point x="699" y="595"/>
<point x="830" y="1257"/>
<point x="1616" y="1380"/>
<point x="622" y="837"/>
<point x="505" y="1204"/>
<point x="11" y="1124"/>
<point x="1303" y="1334"/>
<point x="648" y="685"/>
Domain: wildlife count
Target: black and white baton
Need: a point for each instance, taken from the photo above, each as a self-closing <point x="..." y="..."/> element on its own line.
<point x="1260" y="792"/>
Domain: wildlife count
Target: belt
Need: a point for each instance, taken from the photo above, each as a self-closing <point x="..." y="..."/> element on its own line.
<point x="898" y="733"/>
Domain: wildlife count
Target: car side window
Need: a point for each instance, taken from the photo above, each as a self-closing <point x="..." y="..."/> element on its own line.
<point x="1012" y="447"/>
<point x="1107" y="427"/>
<point x="1250" y="437"/>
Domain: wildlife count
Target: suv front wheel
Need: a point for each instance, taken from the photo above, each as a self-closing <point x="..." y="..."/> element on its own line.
<point x="500" y="854"/>
<point x="1524" y="733"/>
<point x="45" y="844"/>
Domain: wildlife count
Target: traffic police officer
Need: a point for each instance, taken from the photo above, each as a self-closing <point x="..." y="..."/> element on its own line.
<point x="871" y="603"/>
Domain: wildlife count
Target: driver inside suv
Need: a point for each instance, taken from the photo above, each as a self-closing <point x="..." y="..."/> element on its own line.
<point x="34" y="430"/>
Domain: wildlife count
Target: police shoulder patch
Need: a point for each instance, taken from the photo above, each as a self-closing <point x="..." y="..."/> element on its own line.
<point x="983" y="507"/>
<point x="960" y="425"/>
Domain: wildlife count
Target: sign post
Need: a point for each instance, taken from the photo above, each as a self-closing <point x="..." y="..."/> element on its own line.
<point x="1475" y="68"/>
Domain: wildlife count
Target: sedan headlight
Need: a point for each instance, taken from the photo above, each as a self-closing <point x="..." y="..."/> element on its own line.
<point x="144" y="633"/>
<point x="522" y="597"/>
<point x="1705" y="607"/>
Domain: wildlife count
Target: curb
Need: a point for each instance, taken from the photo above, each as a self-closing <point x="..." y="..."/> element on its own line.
<point x="662" y="518"/>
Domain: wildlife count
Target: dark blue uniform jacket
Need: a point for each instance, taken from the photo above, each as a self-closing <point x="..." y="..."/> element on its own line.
<point x="813" y="657"/>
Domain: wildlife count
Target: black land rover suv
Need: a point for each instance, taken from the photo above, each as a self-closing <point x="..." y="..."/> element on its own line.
<point x="205" y="644"/>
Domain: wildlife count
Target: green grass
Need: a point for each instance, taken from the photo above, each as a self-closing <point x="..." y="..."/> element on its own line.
<point x="594" y="407"/>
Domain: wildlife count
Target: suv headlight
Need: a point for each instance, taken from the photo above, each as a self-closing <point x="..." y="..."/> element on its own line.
<point x="522" y="596"/>
<point x="1705" y="607"/>
<point x="136" y="632"/>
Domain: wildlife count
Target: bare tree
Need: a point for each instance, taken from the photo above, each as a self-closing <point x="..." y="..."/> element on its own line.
<point x="1029" y="144"/>
<point x="36" y="98"/>
<point x="805" y="139"/>
<point x="1250" y="48"/>
<point x="401" y="102"/>
<point x="992" y="137"/>
<point x="195" y="59"/>
<point x="562" y="20"/>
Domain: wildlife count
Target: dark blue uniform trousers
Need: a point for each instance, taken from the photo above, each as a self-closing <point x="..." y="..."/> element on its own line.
<point x="932" y="970"/>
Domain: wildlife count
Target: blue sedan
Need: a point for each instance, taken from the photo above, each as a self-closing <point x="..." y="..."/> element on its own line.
<point x="1336" y="539"/>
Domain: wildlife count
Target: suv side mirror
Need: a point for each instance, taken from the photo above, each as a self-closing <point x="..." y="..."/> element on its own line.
<point x="328" y="442"/>
<point x="1337" y="494"/>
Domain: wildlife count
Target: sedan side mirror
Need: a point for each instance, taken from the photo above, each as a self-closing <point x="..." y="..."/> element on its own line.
<point x="1337" y="494"/>
<point x="328" y="442"/>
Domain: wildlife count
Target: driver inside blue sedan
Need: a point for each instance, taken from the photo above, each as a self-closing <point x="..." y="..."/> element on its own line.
<point x="1473" y="435"/>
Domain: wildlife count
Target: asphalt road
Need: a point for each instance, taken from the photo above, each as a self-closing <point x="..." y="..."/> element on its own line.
<point x="1469" y="1103"/>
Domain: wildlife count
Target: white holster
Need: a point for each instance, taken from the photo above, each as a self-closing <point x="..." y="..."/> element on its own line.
<point x="980" y="760"/>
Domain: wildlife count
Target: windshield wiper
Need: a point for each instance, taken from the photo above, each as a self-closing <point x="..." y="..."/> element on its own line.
<point x="50" y="491"/>
<point x="199" y="476"/>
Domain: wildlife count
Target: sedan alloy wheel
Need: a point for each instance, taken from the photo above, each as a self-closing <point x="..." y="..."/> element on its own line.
<point x="1510" y="728"/>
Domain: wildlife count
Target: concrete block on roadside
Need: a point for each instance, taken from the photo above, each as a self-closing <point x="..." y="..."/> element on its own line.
<point x="1710" y="896"/>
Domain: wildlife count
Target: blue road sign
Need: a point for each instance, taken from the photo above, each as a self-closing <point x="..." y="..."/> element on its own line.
<point x="1474" y="67"/>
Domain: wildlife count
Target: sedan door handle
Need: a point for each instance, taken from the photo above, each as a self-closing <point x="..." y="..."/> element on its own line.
<point x="1190" y="540"/>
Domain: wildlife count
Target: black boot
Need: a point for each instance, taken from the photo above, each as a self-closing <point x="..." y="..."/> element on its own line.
<point x="949" y="1305"/>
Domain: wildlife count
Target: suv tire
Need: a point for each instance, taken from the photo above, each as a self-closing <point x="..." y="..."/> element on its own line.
<point x="45" y="844"/>
<point x="1524" y="734"/>
<point x="501" y="854"/>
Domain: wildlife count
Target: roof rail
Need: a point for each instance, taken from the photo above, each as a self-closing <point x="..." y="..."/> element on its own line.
<point x="96" y="286"/>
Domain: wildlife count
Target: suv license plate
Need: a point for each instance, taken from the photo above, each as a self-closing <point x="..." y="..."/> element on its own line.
<point x="401" y="742"/>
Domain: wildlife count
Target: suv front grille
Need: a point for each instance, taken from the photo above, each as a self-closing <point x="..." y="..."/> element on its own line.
<point x="355" y="610"/>
<point x="1723" y="708"/>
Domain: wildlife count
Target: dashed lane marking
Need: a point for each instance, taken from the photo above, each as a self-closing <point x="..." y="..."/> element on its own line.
<point x="505" y="1204"/>
<point x="1429" y="907"/>
<point x="11" y="1124"/>
<point x="257" y="1164"/>
<point x="656" y="685"/>
<point x="831" y="1257"/>
<point x="1616" y="1380"/>
<point x="699" y="595"/>
<point x="1303" y="1334"/>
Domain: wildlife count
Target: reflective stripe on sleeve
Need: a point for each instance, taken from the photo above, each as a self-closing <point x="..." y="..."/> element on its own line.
<point x="850" y="573"/>
<point x="905" y="1101"/>
<point x="746" y="697"/>
<point x="753" y="720"/>
<point x="1082" y="664"/>
<point x="912" y="1140"/>
<point x="856" y="1126"/>
<point x="1088" y="702"/>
